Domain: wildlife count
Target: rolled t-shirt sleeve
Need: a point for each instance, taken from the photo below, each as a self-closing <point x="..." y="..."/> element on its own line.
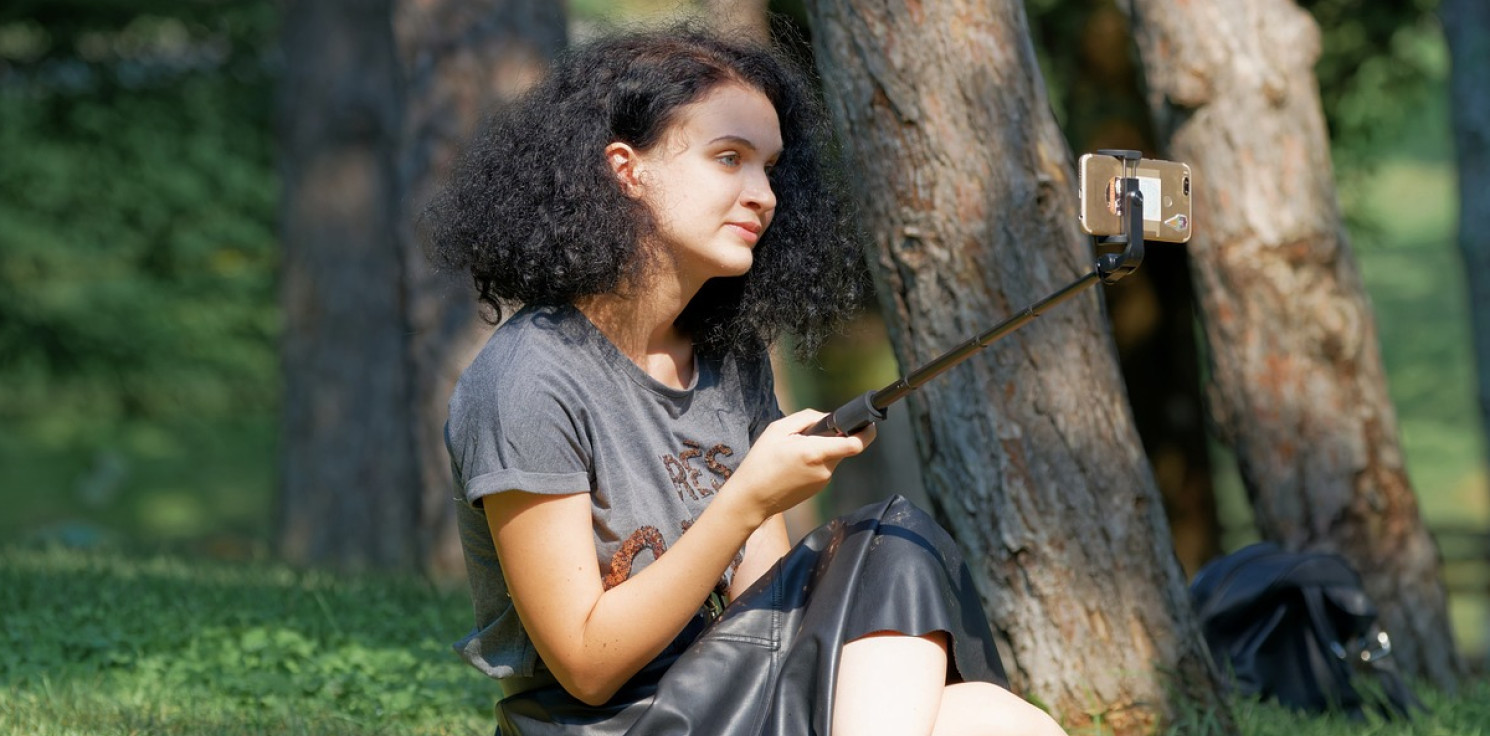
<point x="515" y="439"/>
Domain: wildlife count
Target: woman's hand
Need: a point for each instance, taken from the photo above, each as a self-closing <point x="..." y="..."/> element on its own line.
<point x="785" y="467"/>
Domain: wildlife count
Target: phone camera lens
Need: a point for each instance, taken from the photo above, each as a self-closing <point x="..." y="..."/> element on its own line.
<point x="1187" y="186"/>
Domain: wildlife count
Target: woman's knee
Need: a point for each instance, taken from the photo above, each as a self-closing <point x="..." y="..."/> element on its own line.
<point x="901" y="512"/>
<point x="985" y="709"/>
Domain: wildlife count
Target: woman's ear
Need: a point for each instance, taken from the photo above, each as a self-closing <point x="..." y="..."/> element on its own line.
<point x="625" y="163"/>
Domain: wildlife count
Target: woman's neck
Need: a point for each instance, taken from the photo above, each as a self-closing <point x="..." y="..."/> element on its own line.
<point x="645" y="330"/>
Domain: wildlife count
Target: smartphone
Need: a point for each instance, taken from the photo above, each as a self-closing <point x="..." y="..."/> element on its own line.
<point x="1166" y="197"/>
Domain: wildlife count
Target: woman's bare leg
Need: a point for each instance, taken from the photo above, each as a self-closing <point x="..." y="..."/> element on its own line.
<point x="893" y="684"/>
<point x="890" y="683"/>
<point x="985" y="709"/>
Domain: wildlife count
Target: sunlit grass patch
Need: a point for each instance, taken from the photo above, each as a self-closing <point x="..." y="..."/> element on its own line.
<point x="100" y="643"/>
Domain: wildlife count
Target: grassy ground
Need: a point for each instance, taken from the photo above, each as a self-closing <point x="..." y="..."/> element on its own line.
<point x="99" y="643"/>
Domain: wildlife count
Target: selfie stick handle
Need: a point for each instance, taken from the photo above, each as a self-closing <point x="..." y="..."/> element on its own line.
<point x="870" y="406"/>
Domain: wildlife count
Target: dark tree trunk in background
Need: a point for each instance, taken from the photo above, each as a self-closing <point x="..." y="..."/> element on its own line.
<point x="1466" y="25"/>
<point x="1153" y="322"/>
<point x="374" y="339"/>
<point x="347" y="461"/>
<point x="462" y="58"/>
<point x="1297" y="386"/>
<point x="1029" y="451"/>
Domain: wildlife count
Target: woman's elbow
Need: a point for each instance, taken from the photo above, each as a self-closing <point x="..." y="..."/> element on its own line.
<point x="590" y="688"/>
<point x="595" y="698"/>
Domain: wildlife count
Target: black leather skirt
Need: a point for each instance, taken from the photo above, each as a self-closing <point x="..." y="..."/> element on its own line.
<point x="768" y="665"/>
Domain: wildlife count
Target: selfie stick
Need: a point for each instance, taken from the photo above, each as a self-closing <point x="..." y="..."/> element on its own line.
<point x="1109" y="269"/>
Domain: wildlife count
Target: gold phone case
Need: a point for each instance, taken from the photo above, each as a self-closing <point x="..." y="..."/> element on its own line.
<point x="1166" y="197"/>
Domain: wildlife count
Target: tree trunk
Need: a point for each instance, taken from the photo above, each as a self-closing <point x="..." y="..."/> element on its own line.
<point x="346" y="446"/>
<point x="1466" y="26"/>
<point x="461" y="58"/>
<point x="1028" y="451"/>
<point x="1297" y="387"/>
<point x="743" y="16"/>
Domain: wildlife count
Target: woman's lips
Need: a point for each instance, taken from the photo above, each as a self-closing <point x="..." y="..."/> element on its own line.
<point x="748" y="231"/>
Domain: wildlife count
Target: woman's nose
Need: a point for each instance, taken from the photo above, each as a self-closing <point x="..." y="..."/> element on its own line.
<point x="758" y="194"/>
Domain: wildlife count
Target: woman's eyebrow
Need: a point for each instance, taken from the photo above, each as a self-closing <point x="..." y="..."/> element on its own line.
<point x="737" y="140"/>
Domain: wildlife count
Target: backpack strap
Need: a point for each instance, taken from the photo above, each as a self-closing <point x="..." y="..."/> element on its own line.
<point x="1335" y="682"/>
<point x="1372" y="651"/>
<point x="1375" y="654"/>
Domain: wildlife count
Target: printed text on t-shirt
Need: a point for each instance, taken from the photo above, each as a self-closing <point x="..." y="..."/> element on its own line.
<point x="686" y="474"/>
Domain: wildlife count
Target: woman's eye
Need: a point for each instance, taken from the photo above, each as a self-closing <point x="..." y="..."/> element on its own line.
<point x="729" y="159"/>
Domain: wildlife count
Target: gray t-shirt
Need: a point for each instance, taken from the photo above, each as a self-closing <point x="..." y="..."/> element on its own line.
<point x="551" y="406"/>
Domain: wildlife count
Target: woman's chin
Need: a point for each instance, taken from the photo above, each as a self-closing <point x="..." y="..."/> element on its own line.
<point x="737" y="264"/>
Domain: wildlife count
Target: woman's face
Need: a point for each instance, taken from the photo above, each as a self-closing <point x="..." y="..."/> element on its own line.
<point x="706" y="182"/>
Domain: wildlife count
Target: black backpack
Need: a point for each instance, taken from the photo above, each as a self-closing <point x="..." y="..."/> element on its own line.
<point x="1298" y="627"/>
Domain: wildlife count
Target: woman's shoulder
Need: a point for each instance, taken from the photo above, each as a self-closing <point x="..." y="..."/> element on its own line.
<point x="534" y="352"/>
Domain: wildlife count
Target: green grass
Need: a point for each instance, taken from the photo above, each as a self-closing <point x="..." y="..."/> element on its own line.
<point x="103" y="643"/>
<point x="1466" y="713"/>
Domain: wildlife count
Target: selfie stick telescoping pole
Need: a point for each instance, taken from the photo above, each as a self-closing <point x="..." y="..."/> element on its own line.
<point x="1109" y="269"/>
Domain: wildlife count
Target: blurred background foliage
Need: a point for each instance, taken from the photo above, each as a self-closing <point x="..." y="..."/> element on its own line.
<point x="138" y="253"/>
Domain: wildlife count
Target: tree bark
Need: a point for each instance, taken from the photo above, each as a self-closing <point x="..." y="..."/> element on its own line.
<point x="462" y="58"/>
<point x="346" y="446"/>
<point x="1466" y="27"/>
<point x="1028" y="451"/>
<point x="1296" y="387"/>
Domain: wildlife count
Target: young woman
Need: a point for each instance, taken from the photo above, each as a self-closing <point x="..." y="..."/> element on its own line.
<point x="658" y="206"/>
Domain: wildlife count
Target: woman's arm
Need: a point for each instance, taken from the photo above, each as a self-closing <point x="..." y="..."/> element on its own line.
<point x="595" y="639"/>
<point x="762" y="550"/>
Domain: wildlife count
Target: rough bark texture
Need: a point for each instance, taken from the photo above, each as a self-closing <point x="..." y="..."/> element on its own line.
<point x="1297" y="387"/>
<point x="346" y="446"/>
<point x="1029" y="451"/>
<point x="1466" y="26"/>
<point x="462" y="57"/>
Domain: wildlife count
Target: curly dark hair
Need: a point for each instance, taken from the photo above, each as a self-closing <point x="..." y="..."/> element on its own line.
<point x="535" y="214"/>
